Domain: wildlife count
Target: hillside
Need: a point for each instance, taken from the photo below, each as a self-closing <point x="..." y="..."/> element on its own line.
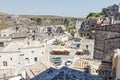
<point x="8" y="20"/>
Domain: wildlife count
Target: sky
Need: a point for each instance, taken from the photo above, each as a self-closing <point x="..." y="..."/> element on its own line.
<point x="70" y="8"/>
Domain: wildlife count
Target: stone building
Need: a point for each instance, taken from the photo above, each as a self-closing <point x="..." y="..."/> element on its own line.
<point x="107" y="38"/>
<point x="112" y="15"/>
<point x="87" y="28"/>
<point x="10" y="61"/>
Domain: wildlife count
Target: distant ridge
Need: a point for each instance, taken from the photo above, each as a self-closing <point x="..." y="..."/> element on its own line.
<point x="4" y="14"/>
<point x="37" y="16"/>
<point x="47" y="16"/>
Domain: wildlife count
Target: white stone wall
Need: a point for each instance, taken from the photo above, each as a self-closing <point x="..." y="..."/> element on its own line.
<point x="16" y="61"/>
<point x="31" y="53"/>
<point x="10" y="57"/>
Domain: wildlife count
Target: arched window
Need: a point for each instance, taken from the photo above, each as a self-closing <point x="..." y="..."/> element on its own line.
<point x="26" y="60"/>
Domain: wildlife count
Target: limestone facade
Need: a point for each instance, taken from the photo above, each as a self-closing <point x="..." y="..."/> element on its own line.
<point x="107" y="39"/>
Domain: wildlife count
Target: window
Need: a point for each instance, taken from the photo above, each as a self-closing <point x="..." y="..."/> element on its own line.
<point x="86" y="52"/>
<point x="35" y="59"/>
<point x="4" y="63"/>
<point x="10" y="58"/>
<point x="4" y="35"/>
<point x="1" y="44"/>
<point x="86" y="46"/>
<point x="26" y="60"/>
<point x="32" y="51"/>
<point x="21" y="54"/>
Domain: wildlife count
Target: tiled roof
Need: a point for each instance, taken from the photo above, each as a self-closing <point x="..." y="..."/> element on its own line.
<point x="65" y="74"/>
<point x="38" y="68"/>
